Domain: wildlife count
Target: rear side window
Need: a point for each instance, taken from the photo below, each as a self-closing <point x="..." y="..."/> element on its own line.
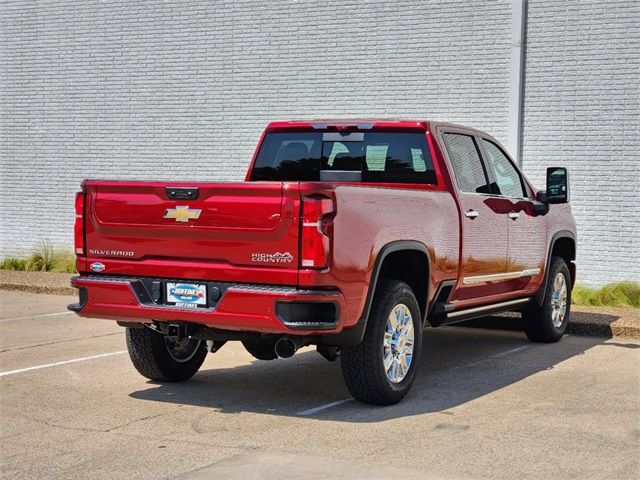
<point x="289" y="156"/>
<point x="386" y="157"/>
<point x="467" y="166"/>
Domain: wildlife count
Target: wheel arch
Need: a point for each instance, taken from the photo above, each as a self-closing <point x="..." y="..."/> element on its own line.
<point x="407" y="259"/>
<point x="563" y="244"/>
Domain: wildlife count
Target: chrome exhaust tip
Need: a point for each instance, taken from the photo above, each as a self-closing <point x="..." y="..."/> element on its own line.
<point x="285" y="347"/>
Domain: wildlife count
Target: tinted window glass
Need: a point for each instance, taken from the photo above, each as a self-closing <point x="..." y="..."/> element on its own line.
<point x="467" y="166"/>
<point x="289" y="156"/>
<point x="507" y="178"/>
<point x="342" y="155"/>
<point x="397" y="157"/>
<point x="391" y="157"/>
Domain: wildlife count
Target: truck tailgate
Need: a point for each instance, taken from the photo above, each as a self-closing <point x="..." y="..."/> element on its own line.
<point x="252" y="225"/>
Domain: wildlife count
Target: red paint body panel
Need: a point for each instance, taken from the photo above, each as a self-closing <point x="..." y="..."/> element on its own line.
<point x="126" y="231"/>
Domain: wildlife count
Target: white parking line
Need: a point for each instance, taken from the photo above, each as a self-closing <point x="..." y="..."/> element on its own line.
<point x="491" y="357"/>
<point x="2" y="320"/>
<point x="64" y="362"/>
<point x="513" y="350"/>
<point x="314" y="410"/>
<point x="501" y="354"/>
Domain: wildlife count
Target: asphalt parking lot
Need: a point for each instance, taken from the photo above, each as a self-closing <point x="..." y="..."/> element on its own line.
<point x="486" y="404"/>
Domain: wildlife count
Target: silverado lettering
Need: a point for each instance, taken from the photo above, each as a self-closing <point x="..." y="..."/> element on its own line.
<point x="350" y="235"/>
<point x="113" y="253"/>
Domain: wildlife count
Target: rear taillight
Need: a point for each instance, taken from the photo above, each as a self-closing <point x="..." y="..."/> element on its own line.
<point x="78" y="228"/>
<point x="317" y="216"/>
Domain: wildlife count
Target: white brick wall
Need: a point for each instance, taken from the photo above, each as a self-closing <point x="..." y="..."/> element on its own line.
<point x="582" y="97"/>
<point x="182" y="90"/>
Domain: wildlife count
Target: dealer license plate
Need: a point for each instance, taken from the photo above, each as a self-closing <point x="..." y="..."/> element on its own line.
<point x="186" y="295"/>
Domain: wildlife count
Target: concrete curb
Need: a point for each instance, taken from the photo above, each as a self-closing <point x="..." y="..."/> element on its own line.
<point x="51" y="283"/>
<point x="17" y="287"/>
<point x="602" y="322"/>
<point x="605" y="322"/>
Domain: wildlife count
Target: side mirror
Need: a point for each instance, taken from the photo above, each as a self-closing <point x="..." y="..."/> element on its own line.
<point x="557" y="185"/>
<point x="541" y="206"/>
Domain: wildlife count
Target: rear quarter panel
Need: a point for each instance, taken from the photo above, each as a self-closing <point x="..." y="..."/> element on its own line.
<point x="367" y="219"/>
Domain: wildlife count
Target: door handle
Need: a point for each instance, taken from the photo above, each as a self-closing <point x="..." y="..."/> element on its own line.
<point x="514" y="215"/>
<point x="471" y="214"/>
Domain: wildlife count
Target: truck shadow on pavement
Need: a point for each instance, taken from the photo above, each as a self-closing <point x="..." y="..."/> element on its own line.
<point x="458" y="365"/>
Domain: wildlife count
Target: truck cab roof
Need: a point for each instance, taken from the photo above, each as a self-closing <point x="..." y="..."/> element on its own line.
<point x="358" y="123"/>
<point x="370" y="123"/>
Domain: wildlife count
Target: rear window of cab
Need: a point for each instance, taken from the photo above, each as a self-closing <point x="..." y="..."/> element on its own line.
<point x="393" y="157"/>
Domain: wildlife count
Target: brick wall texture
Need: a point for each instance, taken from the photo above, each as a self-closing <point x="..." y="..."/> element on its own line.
<point x="182" y="91"/>
<point x="581" y="109"/>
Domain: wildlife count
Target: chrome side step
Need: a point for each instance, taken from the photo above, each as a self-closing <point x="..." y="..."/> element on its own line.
<point x="475" y="312"/>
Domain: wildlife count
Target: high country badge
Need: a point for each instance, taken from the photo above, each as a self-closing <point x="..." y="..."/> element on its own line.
<point x="277" y="257"/>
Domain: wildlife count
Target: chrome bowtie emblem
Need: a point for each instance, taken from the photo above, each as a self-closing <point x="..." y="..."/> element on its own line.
<point x="182" y="214"/>
<point x="97" y="267"/>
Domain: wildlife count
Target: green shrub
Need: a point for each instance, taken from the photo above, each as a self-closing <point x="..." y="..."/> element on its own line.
<point x="13" y="264"/>
<point x="40" y="260"/>
<point x="44" y="259"/>
<point x="624" y="294"/>
<point x="64" y="261"/>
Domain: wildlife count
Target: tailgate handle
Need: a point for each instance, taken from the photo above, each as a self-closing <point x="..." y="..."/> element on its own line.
<point x="182" y="193"/>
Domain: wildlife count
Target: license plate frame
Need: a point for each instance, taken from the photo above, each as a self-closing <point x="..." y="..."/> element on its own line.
<point x="186" y="294"/>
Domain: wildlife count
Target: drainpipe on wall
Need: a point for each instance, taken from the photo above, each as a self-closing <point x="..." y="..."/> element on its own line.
<point x="516" y="78"/>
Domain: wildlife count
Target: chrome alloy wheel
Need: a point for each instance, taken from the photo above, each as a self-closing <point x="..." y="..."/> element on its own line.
<point x="182" y="350"/>
<point x="398" y="343"/>
<point x="558" y="300"/>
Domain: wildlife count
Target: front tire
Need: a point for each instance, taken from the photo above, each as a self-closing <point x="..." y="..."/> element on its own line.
<point x="548" y="323"/>
<point x="381" y="370"/>
<point x="157" y="357"/>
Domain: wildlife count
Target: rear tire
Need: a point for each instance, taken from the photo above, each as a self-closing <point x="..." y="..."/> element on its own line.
<point x="548" y="323"/>
<point x="379" y="370"/>
<point x="158" y="358"/>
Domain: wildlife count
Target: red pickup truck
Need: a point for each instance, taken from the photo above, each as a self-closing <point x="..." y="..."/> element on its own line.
<point x="350" y="235"/>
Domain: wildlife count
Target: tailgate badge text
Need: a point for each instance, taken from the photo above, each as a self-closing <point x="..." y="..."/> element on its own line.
<point x="111" y="253"/>
<point x="277" y="257"/>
